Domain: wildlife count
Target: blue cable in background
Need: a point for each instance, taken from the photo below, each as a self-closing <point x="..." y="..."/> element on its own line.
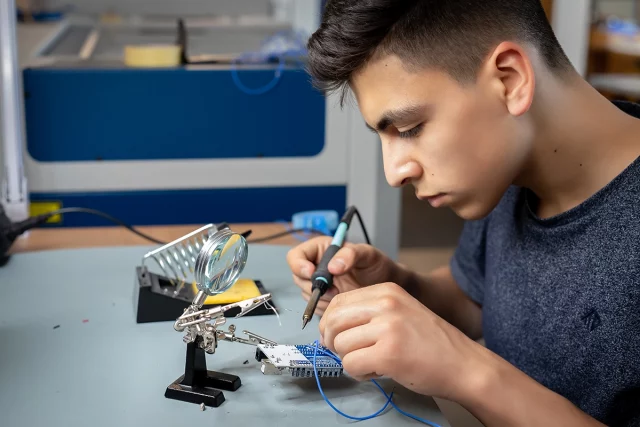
<point x="281" y="47"/>
<point x="303" y="238"/>
<point x="389" y="397"/>
<point x="312" y="223"/>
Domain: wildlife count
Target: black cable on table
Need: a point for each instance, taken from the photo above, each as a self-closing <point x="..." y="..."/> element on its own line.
<point x="44" y="217"/>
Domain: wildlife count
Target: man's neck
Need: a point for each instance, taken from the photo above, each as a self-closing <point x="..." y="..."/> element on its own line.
<point x="585" y="141"/>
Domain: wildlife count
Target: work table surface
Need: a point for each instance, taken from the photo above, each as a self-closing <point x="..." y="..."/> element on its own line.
<point x="72" y="353"/>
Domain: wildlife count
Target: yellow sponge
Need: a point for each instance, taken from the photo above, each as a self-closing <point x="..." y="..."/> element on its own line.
<point x="152" y="56"/>
<point x="241" y="290"/>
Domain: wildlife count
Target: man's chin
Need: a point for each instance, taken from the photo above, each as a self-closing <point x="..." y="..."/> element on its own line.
<point x="471" y="210"/>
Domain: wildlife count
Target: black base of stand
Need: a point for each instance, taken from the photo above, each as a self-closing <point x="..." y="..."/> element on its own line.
<point x="198" y="385"/>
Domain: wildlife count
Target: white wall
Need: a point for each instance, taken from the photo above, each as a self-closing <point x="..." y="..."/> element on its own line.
<point x="306" y="15"/>
<point x="571" y="22"/>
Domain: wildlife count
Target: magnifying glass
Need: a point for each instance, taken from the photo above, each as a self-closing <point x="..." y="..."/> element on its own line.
<point x="219" y="263"/>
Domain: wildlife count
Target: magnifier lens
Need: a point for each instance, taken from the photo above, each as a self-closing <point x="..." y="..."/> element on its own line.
<point x="220" y="262"/>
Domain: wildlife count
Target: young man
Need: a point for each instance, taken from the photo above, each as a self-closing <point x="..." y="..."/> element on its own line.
<point x="478" y="108"/>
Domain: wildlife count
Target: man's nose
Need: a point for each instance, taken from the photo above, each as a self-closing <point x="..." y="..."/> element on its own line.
<point x="400" y="170"/>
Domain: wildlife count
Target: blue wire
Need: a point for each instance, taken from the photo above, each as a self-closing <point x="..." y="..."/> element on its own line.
<point x="406" y="414"/>
<point x="389" y="397"/>
<point x="259" y="91"/>
<point x="264" y="56"/>
<point x="315" y="371"/>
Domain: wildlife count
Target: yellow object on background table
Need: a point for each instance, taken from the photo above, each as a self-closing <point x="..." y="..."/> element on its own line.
<point x="241" y="290"/>
<point x="152" y="56"/>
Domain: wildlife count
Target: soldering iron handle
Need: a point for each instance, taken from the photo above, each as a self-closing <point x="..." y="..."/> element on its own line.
<point x="321" y="278"/>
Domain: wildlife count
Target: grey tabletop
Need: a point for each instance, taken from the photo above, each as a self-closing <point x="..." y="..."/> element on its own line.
<point x="71" y="353"/>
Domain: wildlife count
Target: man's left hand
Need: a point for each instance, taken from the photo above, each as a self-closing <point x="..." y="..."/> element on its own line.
<point x="381" y="330"/>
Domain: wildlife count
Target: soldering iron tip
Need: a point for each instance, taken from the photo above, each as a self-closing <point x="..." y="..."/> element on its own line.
<point x="311" y="307"/>
<point x="305" y="321"/>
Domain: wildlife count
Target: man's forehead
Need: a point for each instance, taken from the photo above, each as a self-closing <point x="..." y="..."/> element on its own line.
<point x="385" y="88"/>
<point x="381" y="107"/>
<point x="378" y="72"/>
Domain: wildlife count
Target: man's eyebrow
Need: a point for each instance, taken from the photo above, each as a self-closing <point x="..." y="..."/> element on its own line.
<point x="399" y="115"/>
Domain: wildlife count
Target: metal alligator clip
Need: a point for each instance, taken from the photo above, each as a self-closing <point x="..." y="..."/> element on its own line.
<point x="257" y="339"/>
<point x="196" y="323"/>
<point x="247" y="305"/>
<point x="254" y="339"/>
<point x="212" y="313"/>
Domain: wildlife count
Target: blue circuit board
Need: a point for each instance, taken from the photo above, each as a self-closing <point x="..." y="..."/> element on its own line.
<point x="327" y="363"/>
<point x="298" y="360"/>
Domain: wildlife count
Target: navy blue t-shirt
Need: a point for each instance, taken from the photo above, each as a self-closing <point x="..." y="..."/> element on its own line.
<point x="561" y="296"/>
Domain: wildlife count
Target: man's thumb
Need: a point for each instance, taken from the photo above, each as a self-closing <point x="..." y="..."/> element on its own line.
<point x="342" y="261"/>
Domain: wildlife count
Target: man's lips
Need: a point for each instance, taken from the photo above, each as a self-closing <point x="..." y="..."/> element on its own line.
<point x="435" y="199"/>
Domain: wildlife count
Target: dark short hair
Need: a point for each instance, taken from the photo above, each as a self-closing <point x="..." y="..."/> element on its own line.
<point x="454" y="36"/>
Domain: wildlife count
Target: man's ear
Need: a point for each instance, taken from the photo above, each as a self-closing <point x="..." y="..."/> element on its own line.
<point x="510" y="68"/>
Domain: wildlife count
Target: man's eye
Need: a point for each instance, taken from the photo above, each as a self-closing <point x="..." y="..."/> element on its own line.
<point x="411" y="133"/>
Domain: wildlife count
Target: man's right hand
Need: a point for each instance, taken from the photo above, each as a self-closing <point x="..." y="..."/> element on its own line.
<point x="353" y="266"/>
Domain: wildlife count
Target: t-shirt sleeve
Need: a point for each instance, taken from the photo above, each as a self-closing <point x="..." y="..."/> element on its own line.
<point x="468" y="262"/>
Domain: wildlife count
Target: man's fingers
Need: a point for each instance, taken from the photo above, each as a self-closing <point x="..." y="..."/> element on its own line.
<point x="299" y="260"/>
<point x="342" y="261"/>
<point x="382" y="293"/>
<point x="304" y="285"/>
<point x="362" y="364"/>
<point x="352" y="255"/>
<point x="339" y="319"/>
<point x="369" y="377"/>
<point x="303" y="258"/>
<point x="356" y="338"/>
<point x="303" y="268"/>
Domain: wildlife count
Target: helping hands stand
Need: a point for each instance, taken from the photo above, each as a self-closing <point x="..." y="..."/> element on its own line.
<point x="198" y="384"/>
<point x="220" y="260"/>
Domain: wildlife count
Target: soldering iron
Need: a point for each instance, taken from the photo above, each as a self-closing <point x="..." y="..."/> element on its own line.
<point x="322" y="279"/>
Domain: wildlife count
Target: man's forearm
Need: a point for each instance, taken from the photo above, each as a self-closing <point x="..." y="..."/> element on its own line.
<point x="439" y="292"/>
<point x="499" y="394"/>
